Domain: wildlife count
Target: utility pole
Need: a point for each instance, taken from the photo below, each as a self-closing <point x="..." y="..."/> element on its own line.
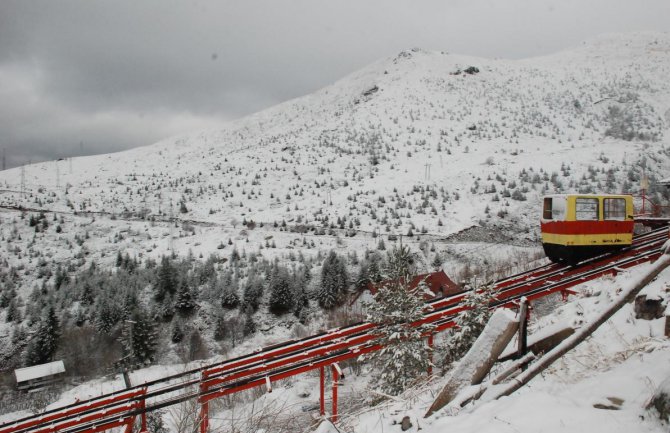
<point x="57" y="176"/>
<point x="171" y="241"/>
<point x="4" y="159"/>
<point x="427" y="171"/>
<point x="23" y="181"/>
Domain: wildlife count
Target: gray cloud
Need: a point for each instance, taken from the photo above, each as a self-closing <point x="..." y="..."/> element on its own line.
<point x="120" y="73"/>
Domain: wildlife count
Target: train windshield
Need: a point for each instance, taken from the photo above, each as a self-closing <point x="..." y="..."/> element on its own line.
<point x="586" y="209"/>
<point x="614" y="209"/>
<point x="554" y="208"/>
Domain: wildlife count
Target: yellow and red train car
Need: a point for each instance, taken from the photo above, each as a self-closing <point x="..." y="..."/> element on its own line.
<point x="579" y="226"/>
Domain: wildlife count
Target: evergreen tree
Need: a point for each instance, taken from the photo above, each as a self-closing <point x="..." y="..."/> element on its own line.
<point x="177" y="333"/>
<point x="219" y="328"/>
<point x="185" y="301"/>
<point x="166" y="283"/>
<point x="45" y="342"/>
<point x="437" y="262"/>
<point x="469" y="323"/>
<point x="86" y="294"/>
<point x="106" y="315"/>
<point x="196" y="346"/>
<point x="301" y="279"/>
<point x="369" y="271"/>
<point x="281" y="296"/>
<point x="405" y="355"/>
<point x="166" y="309"/>
<point x="13" y="312"/>
<point x="139" y="339"/>
<point x="334" y="282"/>
<point x="229" y="298"/>
<point x="249" y="325"/>
<point x="155" y="422"/>
<point x="253" y="292"/>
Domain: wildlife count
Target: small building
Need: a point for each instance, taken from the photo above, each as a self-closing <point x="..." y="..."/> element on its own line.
<point x="39" y="376"/>
<point x="438" y="284"/>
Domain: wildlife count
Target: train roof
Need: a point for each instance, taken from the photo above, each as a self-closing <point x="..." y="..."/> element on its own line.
<point x="587" y="195"/>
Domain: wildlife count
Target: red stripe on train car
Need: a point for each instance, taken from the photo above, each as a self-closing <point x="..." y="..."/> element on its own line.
<point x="586" y="227"/>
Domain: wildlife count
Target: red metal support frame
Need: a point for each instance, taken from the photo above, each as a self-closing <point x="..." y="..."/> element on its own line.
<point x="204" y="407"/>
<point x="322" y="391"/>
<point x="335" y="369"/>
<point x="129" y="426"/>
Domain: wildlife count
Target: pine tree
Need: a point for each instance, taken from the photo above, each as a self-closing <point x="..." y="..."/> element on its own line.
<point x="86" y="295"/>
<point x="185" y="301"/>
<point x="249" y="325"/>
<point x="177" y="333"/>
<point x="196" y="346"/>
<point x="334" y="282"/>
<point x="166" y="279"/>
<point x="469" y="323"/>
<point x="139" y="339"/>
<point x="437" y="262"/>
<point x="281" y="296"/>
<point x="219" y="328"/>
<point x="155" y="422"/>
<point x="253" y="292"/>
<point x="229" y="298"/>
<point x="45" y="342"/>
<point x="13" y="313"/>
<point x="105" y="315"/>
<point x="405" y="355"/>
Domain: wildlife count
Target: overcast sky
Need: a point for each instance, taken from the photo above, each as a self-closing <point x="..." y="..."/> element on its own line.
<point x="108" y="75"/>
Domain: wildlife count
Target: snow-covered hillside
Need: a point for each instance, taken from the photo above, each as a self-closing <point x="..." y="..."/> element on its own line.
<point x="427" y="141"/>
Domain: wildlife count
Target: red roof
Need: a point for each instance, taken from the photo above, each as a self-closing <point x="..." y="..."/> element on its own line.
<point x="437" y="282"/>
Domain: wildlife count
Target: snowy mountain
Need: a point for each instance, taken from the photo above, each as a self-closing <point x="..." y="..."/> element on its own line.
<point x="427" y="141"/>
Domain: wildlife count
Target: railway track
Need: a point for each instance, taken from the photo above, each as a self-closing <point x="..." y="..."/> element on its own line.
<point x="294" y="357"/>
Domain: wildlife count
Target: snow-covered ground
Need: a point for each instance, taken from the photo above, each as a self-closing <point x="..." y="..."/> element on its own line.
<point x="617" y="369"/>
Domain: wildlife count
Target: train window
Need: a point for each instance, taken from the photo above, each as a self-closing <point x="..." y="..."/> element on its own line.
<point x="546" y="209"/>
<point x="586" y="209"/>
<point x="614" y="209"/>
<point x="553" y="208"/>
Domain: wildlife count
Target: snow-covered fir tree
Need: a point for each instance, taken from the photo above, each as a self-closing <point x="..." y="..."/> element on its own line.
<point x="334" y="282"/>
<point x="167" y="279"/>
<point x="139" y="339"/>
<point x="253" y="292"/>
<point x="405" y="356"/>
<point x="45" y="342"/>
<point x="281" y="293"/>
<point x="469" y="324"/>
<point x="185" y="301"/>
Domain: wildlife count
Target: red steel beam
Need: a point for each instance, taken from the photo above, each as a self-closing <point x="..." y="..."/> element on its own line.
<point x="84" y="407"/>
